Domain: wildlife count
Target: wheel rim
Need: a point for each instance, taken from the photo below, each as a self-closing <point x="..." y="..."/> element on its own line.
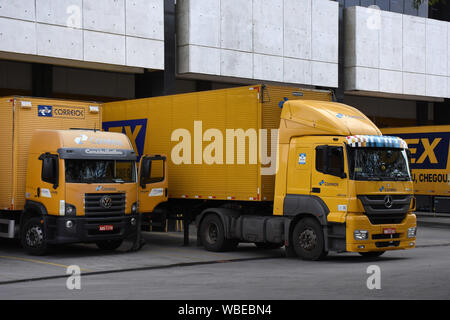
<point x="212" y="233"/>
<point x="34" y="237"/>
<point x="307" y="239"/>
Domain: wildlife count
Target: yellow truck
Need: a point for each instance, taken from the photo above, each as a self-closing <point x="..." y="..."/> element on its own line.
<point x="62" y="180"/>
<point x="275" y="166"/>
<point x="430" y="164"/>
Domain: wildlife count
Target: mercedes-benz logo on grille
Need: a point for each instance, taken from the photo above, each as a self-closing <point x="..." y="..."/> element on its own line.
<point x="106" y="202"/>
<point x="388" y="202"/>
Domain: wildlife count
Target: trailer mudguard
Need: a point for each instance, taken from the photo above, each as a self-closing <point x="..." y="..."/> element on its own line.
<point x="225" y="215"/>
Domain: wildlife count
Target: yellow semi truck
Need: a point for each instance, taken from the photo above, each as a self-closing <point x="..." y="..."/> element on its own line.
<point x="430" y="164"/>
<point x="275" y="166"/>
<point x="61" y="179"/>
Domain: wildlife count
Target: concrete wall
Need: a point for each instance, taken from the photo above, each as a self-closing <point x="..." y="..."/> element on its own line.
<point x="127" y="33"/>
<point x="396" y="54"/>
<point x="287" y="41"/>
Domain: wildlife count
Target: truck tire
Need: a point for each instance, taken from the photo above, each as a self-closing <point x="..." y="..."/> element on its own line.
<point x="32" y="236"/>
<point x="212" y="234"/>
<point x="308" y="240"/>
<point x="109" y="245"/>
<point x="371" y="254"/>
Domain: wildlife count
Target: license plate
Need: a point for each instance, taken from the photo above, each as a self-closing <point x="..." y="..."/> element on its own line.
<point x="106" y="228"/>
<point x="389" y="230"/>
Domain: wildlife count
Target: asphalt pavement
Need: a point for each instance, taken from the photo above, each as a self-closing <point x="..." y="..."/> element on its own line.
<point x="165" y="269"/>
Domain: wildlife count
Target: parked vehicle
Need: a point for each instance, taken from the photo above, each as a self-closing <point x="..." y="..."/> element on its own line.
<point x="275" y="166"/>
<point x="59" y="184"/>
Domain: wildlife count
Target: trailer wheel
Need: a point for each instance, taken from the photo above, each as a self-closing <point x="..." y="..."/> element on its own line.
<point x="32" y="236"/>
<point x="371" y="254"/>
<point x="109" y="245"/>
<point x="212" y="234"/>
<point x="308" y="240"/>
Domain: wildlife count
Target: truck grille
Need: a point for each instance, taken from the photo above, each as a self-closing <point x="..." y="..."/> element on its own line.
<point x="104" y="204"/>
<point x="380" y="212"/>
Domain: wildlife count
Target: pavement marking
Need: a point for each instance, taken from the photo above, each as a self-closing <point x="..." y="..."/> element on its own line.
<point x="148" y="268"/>
<point x="40" y="262"/>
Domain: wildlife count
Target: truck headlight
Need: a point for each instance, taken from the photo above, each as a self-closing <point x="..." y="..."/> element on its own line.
<point x="70" y="210"/>
<point x="412" y="232"/>
<point x="361" y="234"/>
<point x="134" y="208"/>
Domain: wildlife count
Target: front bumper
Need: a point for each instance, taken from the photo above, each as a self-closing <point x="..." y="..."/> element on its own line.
<point x="86" y="229"/>
<point x="377" y="240"/>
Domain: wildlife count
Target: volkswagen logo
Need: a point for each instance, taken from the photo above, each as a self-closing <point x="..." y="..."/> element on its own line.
<point x="388" y="202"/>
<point x="106" y="202"/>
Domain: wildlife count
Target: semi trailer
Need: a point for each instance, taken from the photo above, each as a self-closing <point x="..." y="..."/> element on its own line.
<point x="62" y="180"/>
<point x="275" y="166"/>
<point x="430" y="164"/>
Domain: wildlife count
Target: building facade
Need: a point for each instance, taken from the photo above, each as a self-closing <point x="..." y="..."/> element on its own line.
<point x="386" y="57"/>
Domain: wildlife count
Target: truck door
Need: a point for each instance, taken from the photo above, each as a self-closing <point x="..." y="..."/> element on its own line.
<point x="44" y="185"/>
<point x="152" y="182"/>
<point x="329" y="178"/>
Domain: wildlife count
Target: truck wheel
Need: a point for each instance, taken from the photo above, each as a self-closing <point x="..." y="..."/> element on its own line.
<point x="308" y="240"/>
<point x="212" y="235"/>
<point x="371" y="254"/>
<point x="109" y="245"/>
<point x="32" y="236"/>
<point x="268" y="246"/>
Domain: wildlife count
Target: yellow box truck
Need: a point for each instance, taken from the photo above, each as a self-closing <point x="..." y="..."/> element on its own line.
<point x="430" y="164"/>
<point x="275" y="166"/>
<point x="62" y="180"/>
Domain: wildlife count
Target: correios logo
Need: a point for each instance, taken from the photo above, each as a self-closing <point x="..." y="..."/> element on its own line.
<point x="44" y="111"/>
<point x="95" y="140"/>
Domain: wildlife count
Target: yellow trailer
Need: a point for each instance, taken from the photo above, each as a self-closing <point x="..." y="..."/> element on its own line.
<point x="62" y="180"/>
<point x="274" y="166"/>
<point x="194" y="128"/>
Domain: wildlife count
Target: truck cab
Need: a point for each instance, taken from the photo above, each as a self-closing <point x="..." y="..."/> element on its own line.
<point x="81" y="186"/>
<point x="344" y="186"/>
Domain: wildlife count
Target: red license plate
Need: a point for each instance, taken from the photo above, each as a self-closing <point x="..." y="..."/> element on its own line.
<point x="389" y="230"/>
<point x="106" y="228"/>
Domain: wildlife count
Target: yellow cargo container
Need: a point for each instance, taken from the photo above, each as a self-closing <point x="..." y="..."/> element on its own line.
<point x="146" y="122"/>
<point x="20" y="117"/>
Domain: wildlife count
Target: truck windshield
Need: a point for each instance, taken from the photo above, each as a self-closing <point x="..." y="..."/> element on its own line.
<point x="378" y="164"/>
<point x="104" y="171"/>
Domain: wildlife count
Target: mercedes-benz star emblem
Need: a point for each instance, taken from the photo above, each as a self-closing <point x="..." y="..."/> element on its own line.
<point x="388" y="202"/>
<point x="106" y="202"/>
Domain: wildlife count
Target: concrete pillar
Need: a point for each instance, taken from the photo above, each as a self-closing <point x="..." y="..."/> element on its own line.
<point x="442" y="112"/>
<point x="422" y="113"/>
<point x="160" y="83"/>
<point x="42" y="80"/>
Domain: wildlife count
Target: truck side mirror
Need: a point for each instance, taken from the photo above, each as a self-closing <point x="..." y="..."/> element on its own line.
<point x="50" y="169"/>
<point x="146" y="167"/>
<point x="152" y="170"/>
